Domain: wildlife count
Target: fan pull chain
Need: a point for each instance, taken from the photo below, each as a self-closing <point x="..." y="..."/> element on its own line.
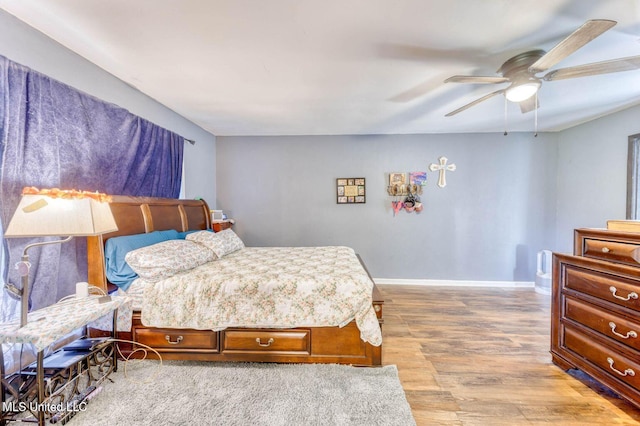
<point x="505" y="116"/>
<point x="535" y="124"/>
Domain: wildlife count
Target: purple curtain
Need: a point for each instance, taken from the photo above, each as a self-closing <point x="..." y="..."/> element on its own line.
<point x="56" y="136"/>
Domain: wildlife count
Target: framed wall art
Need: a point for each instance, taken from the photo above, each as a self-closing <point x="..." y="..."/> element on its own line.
<point x="397" y="179"/>
<point x="418" y="178"/>
<point x="351" y="191"/>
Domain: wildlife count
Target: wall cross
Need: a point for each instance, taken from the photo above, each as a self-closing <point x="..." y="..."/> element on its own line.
<point x="443" y="167"/>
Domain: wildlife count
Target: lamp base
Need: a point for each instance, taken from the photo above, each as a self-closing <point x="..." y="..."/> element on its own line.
<point x="23" y="268"/>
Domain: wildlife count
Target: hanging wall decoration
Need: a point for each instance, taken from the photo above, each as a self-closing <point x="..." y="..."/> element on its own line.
<point x="398" y="185"/>
<point x="442" y="168"/>
<point x="351" y="190"/>
<point x="406" y="193"/>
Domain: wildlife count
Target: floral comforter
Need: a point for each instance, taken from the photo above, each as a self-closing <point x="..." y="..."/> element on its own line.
<point x="267" y="287"/>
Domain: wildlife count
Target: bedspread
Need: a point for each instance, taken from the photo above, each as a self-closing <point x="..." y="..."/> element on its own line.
<point x="267" y="287"/>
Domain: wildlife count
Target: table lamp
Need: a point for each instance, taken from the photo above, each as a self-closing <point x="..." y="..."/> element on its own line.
<point x="55" y="212"/>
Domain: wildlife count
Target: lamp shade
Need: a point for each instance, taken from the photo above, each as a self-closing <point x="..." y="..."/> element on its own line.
<point x="522" y="91"/>
<point x="42" y="215"/>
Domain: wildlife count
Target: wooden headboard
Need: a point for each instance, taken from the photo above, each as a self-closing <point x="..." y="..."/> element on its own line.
<point x="139" y="215"/>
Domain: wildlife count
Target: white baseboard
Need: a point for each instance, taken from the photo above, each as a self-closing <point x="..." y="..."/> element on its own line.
<point x="455" y="283"/>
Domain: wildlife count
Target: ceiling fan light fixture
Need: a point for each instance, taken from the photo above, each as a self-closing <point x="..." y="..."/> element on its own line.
<point x="520" y="70"/>
<point x="522" y="91"/>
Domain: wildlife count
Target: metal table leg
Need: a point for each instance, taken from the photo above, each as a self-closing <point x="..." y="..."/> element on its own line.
<point x="40" y="379"/>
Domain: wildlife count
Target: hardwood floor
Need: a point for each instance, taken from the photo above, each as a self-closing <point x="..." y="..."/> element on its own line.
<point x="480" y="356"/>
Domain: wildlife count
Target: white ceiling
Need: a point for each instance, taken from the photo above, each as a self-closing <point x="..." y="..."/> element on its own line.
<point x="323" y="67"/>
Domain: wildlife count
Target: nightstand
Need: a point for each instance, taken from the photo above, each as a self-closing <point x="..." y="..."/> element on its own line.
<point x="25" y="389"/>
<point x="221" y="225"/>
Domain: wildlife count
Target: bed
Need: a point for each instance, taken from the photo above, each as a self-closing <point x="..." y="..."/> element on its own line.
<point x="257" y="339"/>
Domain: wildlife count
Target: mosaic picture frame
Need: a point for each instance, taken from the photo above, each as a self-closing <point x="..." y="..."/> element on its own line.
<point x="351" y="190"/>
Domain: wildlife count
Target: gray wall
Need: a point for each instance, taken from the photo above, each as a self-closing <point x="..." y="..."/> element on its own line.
<point x="496" y="212"/>
<point x="592" y="174"/>
<point x="29" y="47"/>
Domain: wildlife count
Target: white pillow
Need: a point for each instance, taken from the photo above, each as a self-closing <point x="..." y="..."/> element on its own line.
<point x="165" y="259"/>
<point x="221" y="243"/>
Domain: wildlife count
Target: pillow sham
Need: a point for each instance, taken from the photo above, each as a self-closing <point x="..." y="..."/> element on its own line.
<point x="221" y="243"/>
<point x="118" y="271"/>
<point x="165" y="259"/>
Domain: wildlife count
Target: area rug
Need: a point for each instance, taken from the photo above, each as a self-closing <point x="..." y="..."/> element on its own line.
<point x="199" y="393"/>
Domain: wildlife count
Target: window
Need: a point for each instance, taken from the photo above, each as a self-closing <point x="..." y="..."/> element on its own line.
<point x="633" y="177"/>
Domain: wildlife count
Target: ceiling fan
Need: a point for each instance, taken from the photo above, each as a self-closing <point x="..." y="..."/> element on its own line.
<point x="520" y="71"/>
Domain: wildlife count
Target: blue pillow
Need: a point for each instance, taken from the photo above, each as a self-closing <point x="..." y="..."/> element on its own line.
<point x="118" y="271"/>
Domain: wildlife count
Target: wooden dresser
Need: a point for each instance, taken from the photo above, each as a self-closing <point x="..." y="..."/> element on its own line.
<point x="595" y="311"/>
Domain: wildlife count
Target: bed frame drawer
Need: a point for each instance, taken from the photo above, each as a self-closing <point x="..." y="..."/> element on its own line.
<point x="177" y="339"/>
<point x="289" y="341"/>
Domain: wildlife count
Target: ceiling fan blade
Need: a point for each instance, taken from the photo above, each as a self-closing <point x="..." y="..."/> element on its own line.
<point x="477" y="101"/>
<point x="583" y="35"/>
<point x="476" y="79"/>
<point x="605" y="67"/>
<point x="529" y="105"/>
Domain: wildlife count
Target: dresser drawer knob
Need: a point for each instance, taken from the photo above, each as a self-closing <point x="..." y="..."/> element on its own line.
<point x="173" y="342"/>
<point x="265" y="345"/>
<point x="632" y="295"/>
<point x="627" y="372"/>
<point x="605" y="250"/>
<point x="630" y="333"/>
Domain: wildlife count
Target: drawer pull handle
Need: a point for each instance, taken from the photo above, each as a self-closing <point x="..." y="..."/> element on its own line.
<point x="605" y="249"/>
<point x="171" y="342"/>
<point x="632" y="295"/>
<point x="630" y="333"/>
<point x="264" y="345"/>
<point x="627" y="372"/>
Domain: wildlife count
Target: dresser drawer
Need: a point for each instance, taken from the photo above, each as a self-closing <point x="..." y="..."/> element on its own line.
<point x="612" y="251"/>
<point x="620" y="290"/>
<point x="177" y="338"/>
<point x="290" y="341"/>
<point x="613" y="363"/>
<point x="603" y="321"/>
